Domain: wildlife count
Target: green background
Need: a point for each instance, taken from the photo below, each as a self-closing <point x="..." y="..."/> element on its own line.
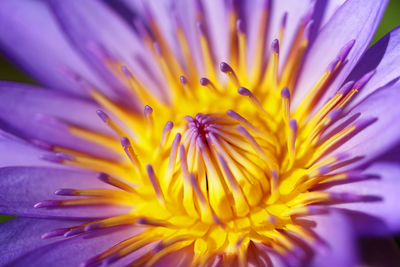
<point x="390" y="20"/>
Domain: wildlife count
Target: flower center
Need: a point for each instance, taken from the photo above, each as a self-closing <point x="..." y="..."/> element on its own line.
<point x="237" y="173"/>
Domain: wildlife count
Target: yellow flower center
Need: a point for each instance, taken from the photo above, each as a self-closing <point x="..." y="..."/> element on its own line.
<point x="224" y="162"/>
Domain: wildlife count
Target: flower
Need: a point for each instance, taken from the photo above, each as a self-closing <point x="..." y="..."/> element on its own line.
<point x="227" y="132"/>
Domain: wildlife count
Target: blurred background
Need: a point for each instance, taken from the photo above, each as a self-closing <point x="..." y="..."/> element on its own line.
<point x="390" y="20"/>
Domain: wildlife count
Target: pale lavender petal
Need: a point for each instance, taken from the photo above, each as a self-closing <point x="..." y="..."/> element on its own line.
<point x="383" y="57"/>
<point x="338" y="241"/>
<point x="38" y="114"/>
<point x="48" y="53"/>
<point x="23" y="187"/>
<point x="354" y="20"/>
<point x="22" y="244"/>
<point x="114" y="40"/>
<point x="20" y="153"/>
<point x="382" y="199"/>
<point x="377" y="112"/>
<point x="22" y="235"/>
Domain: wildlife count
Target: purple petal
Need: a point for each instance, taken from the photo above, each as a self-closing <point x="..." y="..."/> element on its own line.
<point x="354" y="20"/>
<point x="23" y="187"/>
<point x="48" y="53"/>
<point x="337" y="235"/>
<point x="98" y="45"/>
<point x="20" y="153"/>
<point x="383" y="57"/>
<point x="383" y="206"/>
<point x="22" y="244"/>
<point x="22" y="106"/>
<point x="382" y="109"/>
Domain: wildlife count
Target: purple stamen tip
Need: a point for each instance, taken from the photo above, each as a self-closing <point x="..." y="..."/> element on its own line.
<point x="244" y="91"/>
<point x="150" y="170"/>
<point x="346" y="49"/>
<point x="275" y="46"/>
<point x="54" y="233"/>
<point x="346" y="87"/>
<point x="204" y="81"/>
<point x="200" y="27"/>
<point x="240" y="26"/>
<point x="103" y="116"/>
<point x="169" y="125"/>
<point x="147" y="110"/>
<point x="46" y="119"/>
<point x="241" y="129"/>
<point x="284" y="20"/>
<point x="232" y="113"/>
<point x="309" y="13"/>
<point x="333" y="64"/>
<point x="364" y="79"/>
<point x="333" y="114"/>
<point x="345" y="197"/>
<point x="293" y="124"/>
<point x="103" y="177"/>
<point x="224" y="67"/>
<point x="314" y="210"/>
<point x="364" y="123"/>
<point x="157" y="48"/>
<point x="126" y="72"/>
<point x="56" y="158"/>
<point x="266" y="4"/>
<point x="324" y="170"/>
<point x="63" y="156"/>
<point x="46" y="204"/>
<point x="183" y="80"/>
<point x="41" y="144"/>
<point x="125" y="142"/>
<point x="274" y="174"/>
<point x="74" y="231"/>
<point x="92" y="226"/>
<point x="342" y="156"/>
<point x="65" y="192"/>
<point x="307" y="29"/>
<point x="189" y="118"/>
<point x="285" y="93"/>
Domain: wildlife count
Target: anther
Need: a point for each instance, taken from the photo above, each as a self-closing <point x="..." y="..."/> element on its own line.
<point x="154" y="181"/>
<point x="225" y="68"/>
<point x="166" y="132"/>
<point x="126" y="144"/>
<point x="275" y="46"/>
<point x="207" y="83"/>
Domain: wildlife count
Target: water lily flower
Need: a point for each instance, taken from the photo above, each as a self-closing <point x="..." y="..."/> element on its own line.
<point x="199" y="133"/>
